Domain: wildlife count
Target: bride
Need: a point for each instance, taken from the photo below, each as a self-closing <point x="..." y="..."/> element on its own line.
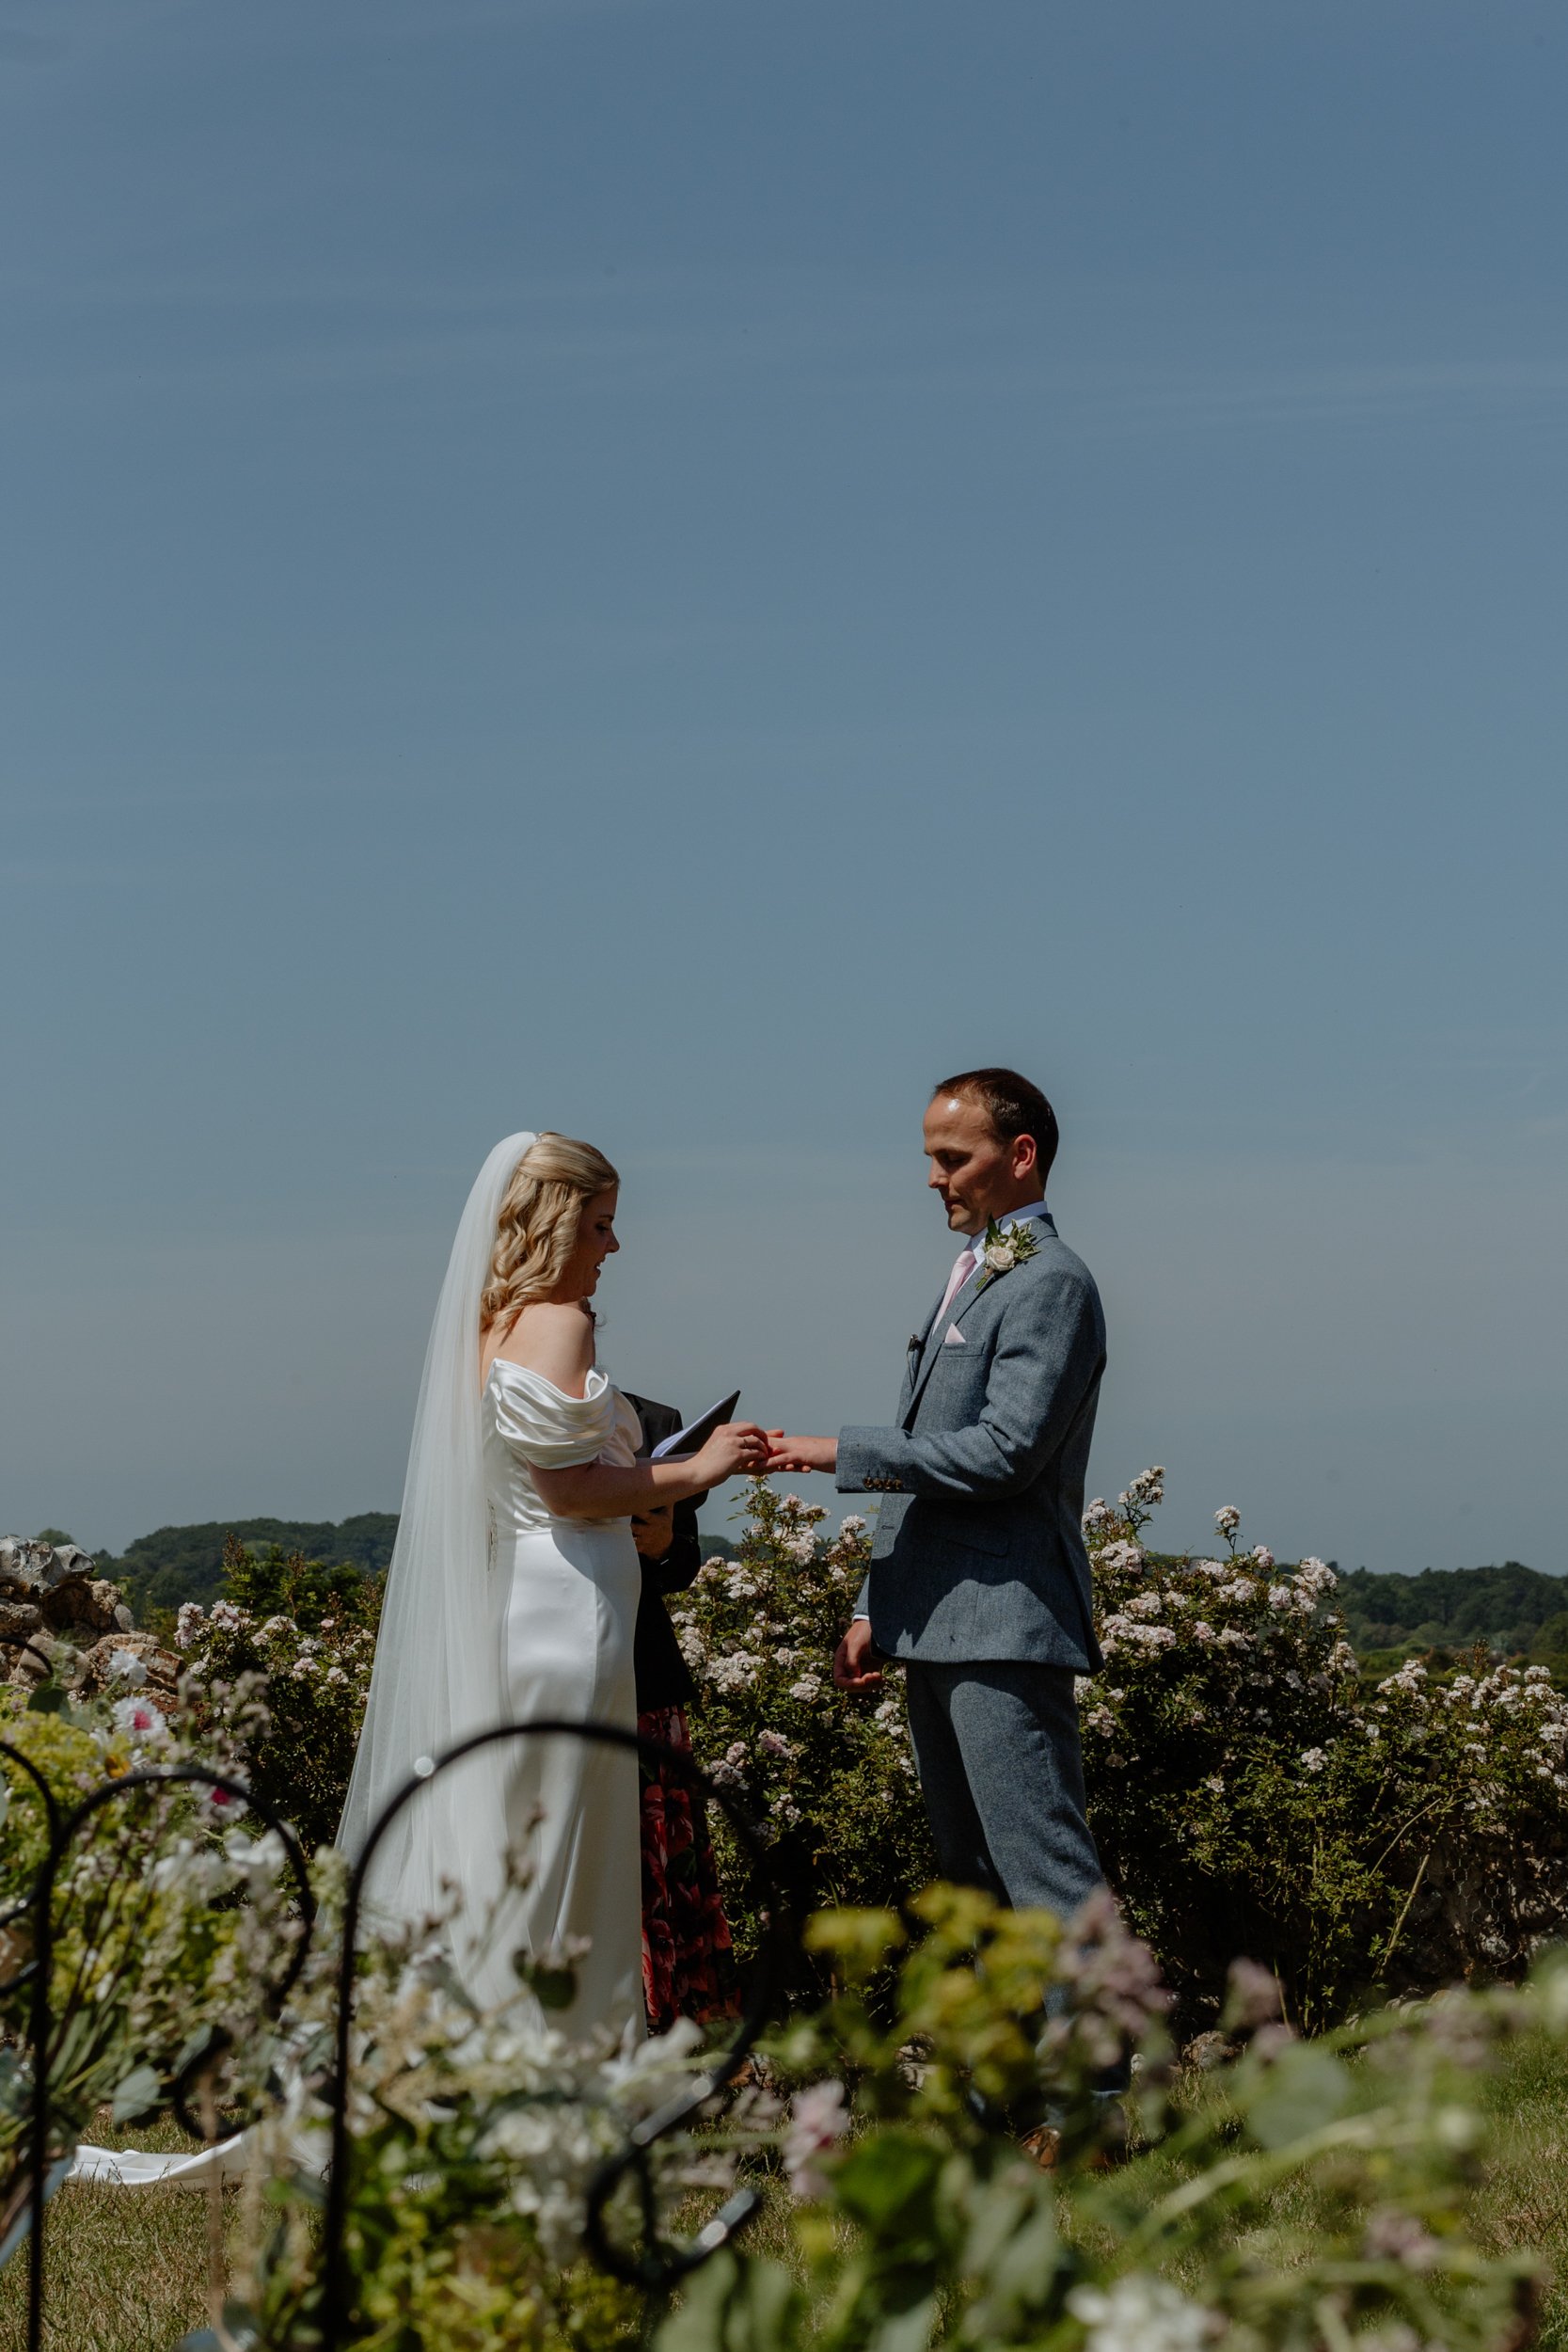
<point x="512" y="1596"/>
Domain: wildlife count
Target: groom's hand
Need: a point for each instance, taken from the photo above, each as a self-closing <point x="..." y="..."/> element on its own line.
<point x="854" y="1660"/>
<point x="801" y="1453"/>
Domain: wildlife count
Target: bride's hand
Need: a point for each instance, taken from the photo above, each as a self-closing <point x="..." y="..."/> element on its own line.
<point x="736" y="1450"/>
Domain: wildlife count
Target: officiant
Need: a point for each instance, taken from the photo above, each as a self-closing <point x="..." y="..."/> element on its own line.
<point x="688" y="1960"/>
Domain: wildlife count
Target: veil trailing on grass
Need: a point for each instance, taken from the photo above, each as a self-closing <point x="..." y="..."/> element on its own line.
<point x="437" y="1672"/>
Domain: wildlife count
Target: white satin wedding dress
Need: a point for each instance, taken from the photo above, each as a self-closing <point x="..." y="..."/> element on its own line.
<point x="495" y="1613"/>
<point x="572" y="1589"/>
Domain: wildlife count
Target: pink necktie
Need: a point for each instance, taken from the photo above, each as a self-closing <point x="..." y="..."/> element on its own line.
<point x="964" y="1265"/>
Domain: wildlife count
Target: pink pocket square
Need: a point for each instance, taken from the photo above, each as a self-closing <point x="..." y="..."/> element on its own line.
<point x="954" y="1337"/>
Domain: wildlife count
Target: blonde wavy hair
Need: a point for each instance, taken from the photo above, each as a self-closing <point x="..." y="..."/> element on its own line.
<point x="540" y="1219"/>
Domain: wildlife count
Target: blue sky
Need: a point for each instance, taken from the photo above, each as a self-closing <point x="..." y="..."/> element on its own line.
<point x="675" y="570"/>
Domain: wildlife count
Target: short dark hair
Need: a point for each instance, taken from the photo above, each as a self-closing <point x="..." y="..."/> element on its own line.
<point x="1014" y="1106"/>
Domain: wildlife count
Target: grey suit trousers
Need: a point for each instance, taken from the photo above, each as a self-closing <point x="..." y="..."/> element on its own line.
<point x="1001" y="1773"/>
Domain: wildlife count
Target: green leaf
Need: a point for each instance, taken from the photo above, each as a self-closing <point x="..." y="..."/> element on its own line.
<point x="905" y="2332"/>
<point x="1303" y="2089"/>
<point x="552" y="1988"/>
<point x="734" y="2303"/>
<point x="46" y="1700"/>
<point x="137" y="2093"/>
<point x="885" y="2175"/>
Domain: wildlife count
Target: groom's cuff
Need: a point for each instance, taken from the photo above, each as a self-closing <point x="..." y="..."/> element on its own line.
<point x="860" y="1456"/>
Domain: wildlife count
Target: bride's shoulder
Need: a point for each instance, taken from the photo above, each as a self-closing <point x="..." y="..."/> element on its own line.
<point x="554" y="1340"/>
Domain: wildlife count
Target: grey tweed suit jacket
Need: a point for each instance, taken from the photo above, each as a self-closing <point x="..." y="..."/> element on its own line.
<point x="979" y="1549"/>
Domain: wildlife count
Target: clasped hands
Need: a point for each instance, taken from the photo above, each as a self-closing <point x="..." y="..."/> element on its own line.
<point x="742" y="1450"/>
<point x="755" y="1452"/>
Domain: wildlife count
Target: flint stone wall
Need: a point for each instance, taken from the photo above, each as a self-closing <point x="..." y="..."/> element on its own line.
<point x="49" y="1589"/>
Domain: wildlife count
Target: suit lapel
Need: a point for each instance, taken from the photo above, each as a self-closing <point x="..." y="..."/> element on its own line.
<point x="915" y="1356"/>
<point x="979" y="1283"/>
<point x="936" y="1332"/>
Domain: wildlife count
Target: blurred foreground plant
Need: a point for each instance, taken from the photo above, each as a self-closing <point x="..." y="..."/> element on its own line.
<point x="922" y="2222"/>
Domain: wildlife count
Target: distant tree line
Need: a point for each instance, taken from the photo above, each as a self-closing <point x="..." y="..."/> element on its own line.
<point x="158" y="1572"/>
<point x="1511" y="1608"/>
<point x="179" y="1563"/>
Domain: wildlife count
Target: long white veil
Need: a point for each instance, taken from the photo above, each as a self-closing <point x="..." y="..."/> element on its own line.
<point x="437" y="1672"/>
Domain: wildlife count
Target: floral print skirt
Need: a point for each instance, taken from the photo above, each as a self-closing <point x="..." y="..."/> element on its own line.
<point x="688" y="1961"/>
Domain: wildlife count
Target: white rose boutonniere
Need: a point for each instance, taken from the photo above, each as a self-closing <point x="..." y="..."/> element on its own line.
<point x="1001" y="1252"/>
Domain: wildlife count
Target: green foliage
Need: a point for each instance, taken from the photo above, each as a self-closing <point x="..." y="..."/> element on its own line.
<point x="307" y="1591"/>
<point x="1506" y="1608"/>
<point x="70" y="1753"/>
<point x="301" y="1636"/>
<point x="174" y="1565"/>
<point x="831" y="1781"/>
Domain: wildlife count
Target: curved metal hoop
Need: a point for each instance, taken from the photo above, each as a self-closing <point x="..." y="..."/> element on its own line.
<point x="41" y="2013"/>
<point x="658" y="2265"/>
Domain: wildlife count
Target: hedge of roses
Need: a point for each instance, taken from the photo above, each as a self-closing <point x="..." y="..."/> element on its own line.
<point x="289" y="1648"/>
<point x="1248" y="1794"/>
<point x="833" y="1784"/>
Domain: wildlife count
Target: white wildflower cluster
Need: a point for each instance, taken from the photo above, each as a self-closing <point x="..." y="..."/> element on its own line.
<point x="1143" y="2313"/>
<point x="539" y="2110"/>
<point x="1143" y="1493"/>
<point x="735" y="1670"/>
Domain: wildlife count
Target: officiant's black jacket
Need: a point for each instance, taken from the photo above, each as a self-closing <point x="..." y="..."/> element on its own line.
<point x="663" y="1677"/>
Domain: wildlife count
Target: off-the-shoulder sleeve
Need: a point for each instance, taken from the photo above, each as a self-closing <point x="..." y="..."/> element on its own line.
<point x="542" y="1426"/>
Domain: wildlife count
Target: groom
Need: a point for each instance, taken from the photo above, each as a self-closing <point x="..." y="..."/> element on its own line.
<point x="979" y="1580"/>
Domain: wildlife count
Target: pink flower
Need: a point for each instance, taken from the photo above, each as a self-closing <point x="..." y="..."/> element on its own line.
<point x="139" y="1717"/>
<point x="818" y="2121"/>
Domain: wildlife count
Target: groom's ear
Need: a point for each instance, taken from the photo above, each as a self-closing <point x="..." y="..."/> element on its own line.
<point x="1026" y="1155"/>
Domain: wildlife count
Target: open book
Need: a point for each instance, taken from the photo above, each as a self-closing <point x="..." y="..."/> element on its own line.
<point x="696" y="1433"/>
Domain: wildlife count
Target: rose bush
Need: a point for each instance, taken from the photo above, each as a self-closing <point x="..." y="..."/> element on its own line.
<point x="281" y="1666"/>
<point x="1247" y="1795"/>
<point x="832" y="1784"/>
<point x="1246" y="1792"/>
